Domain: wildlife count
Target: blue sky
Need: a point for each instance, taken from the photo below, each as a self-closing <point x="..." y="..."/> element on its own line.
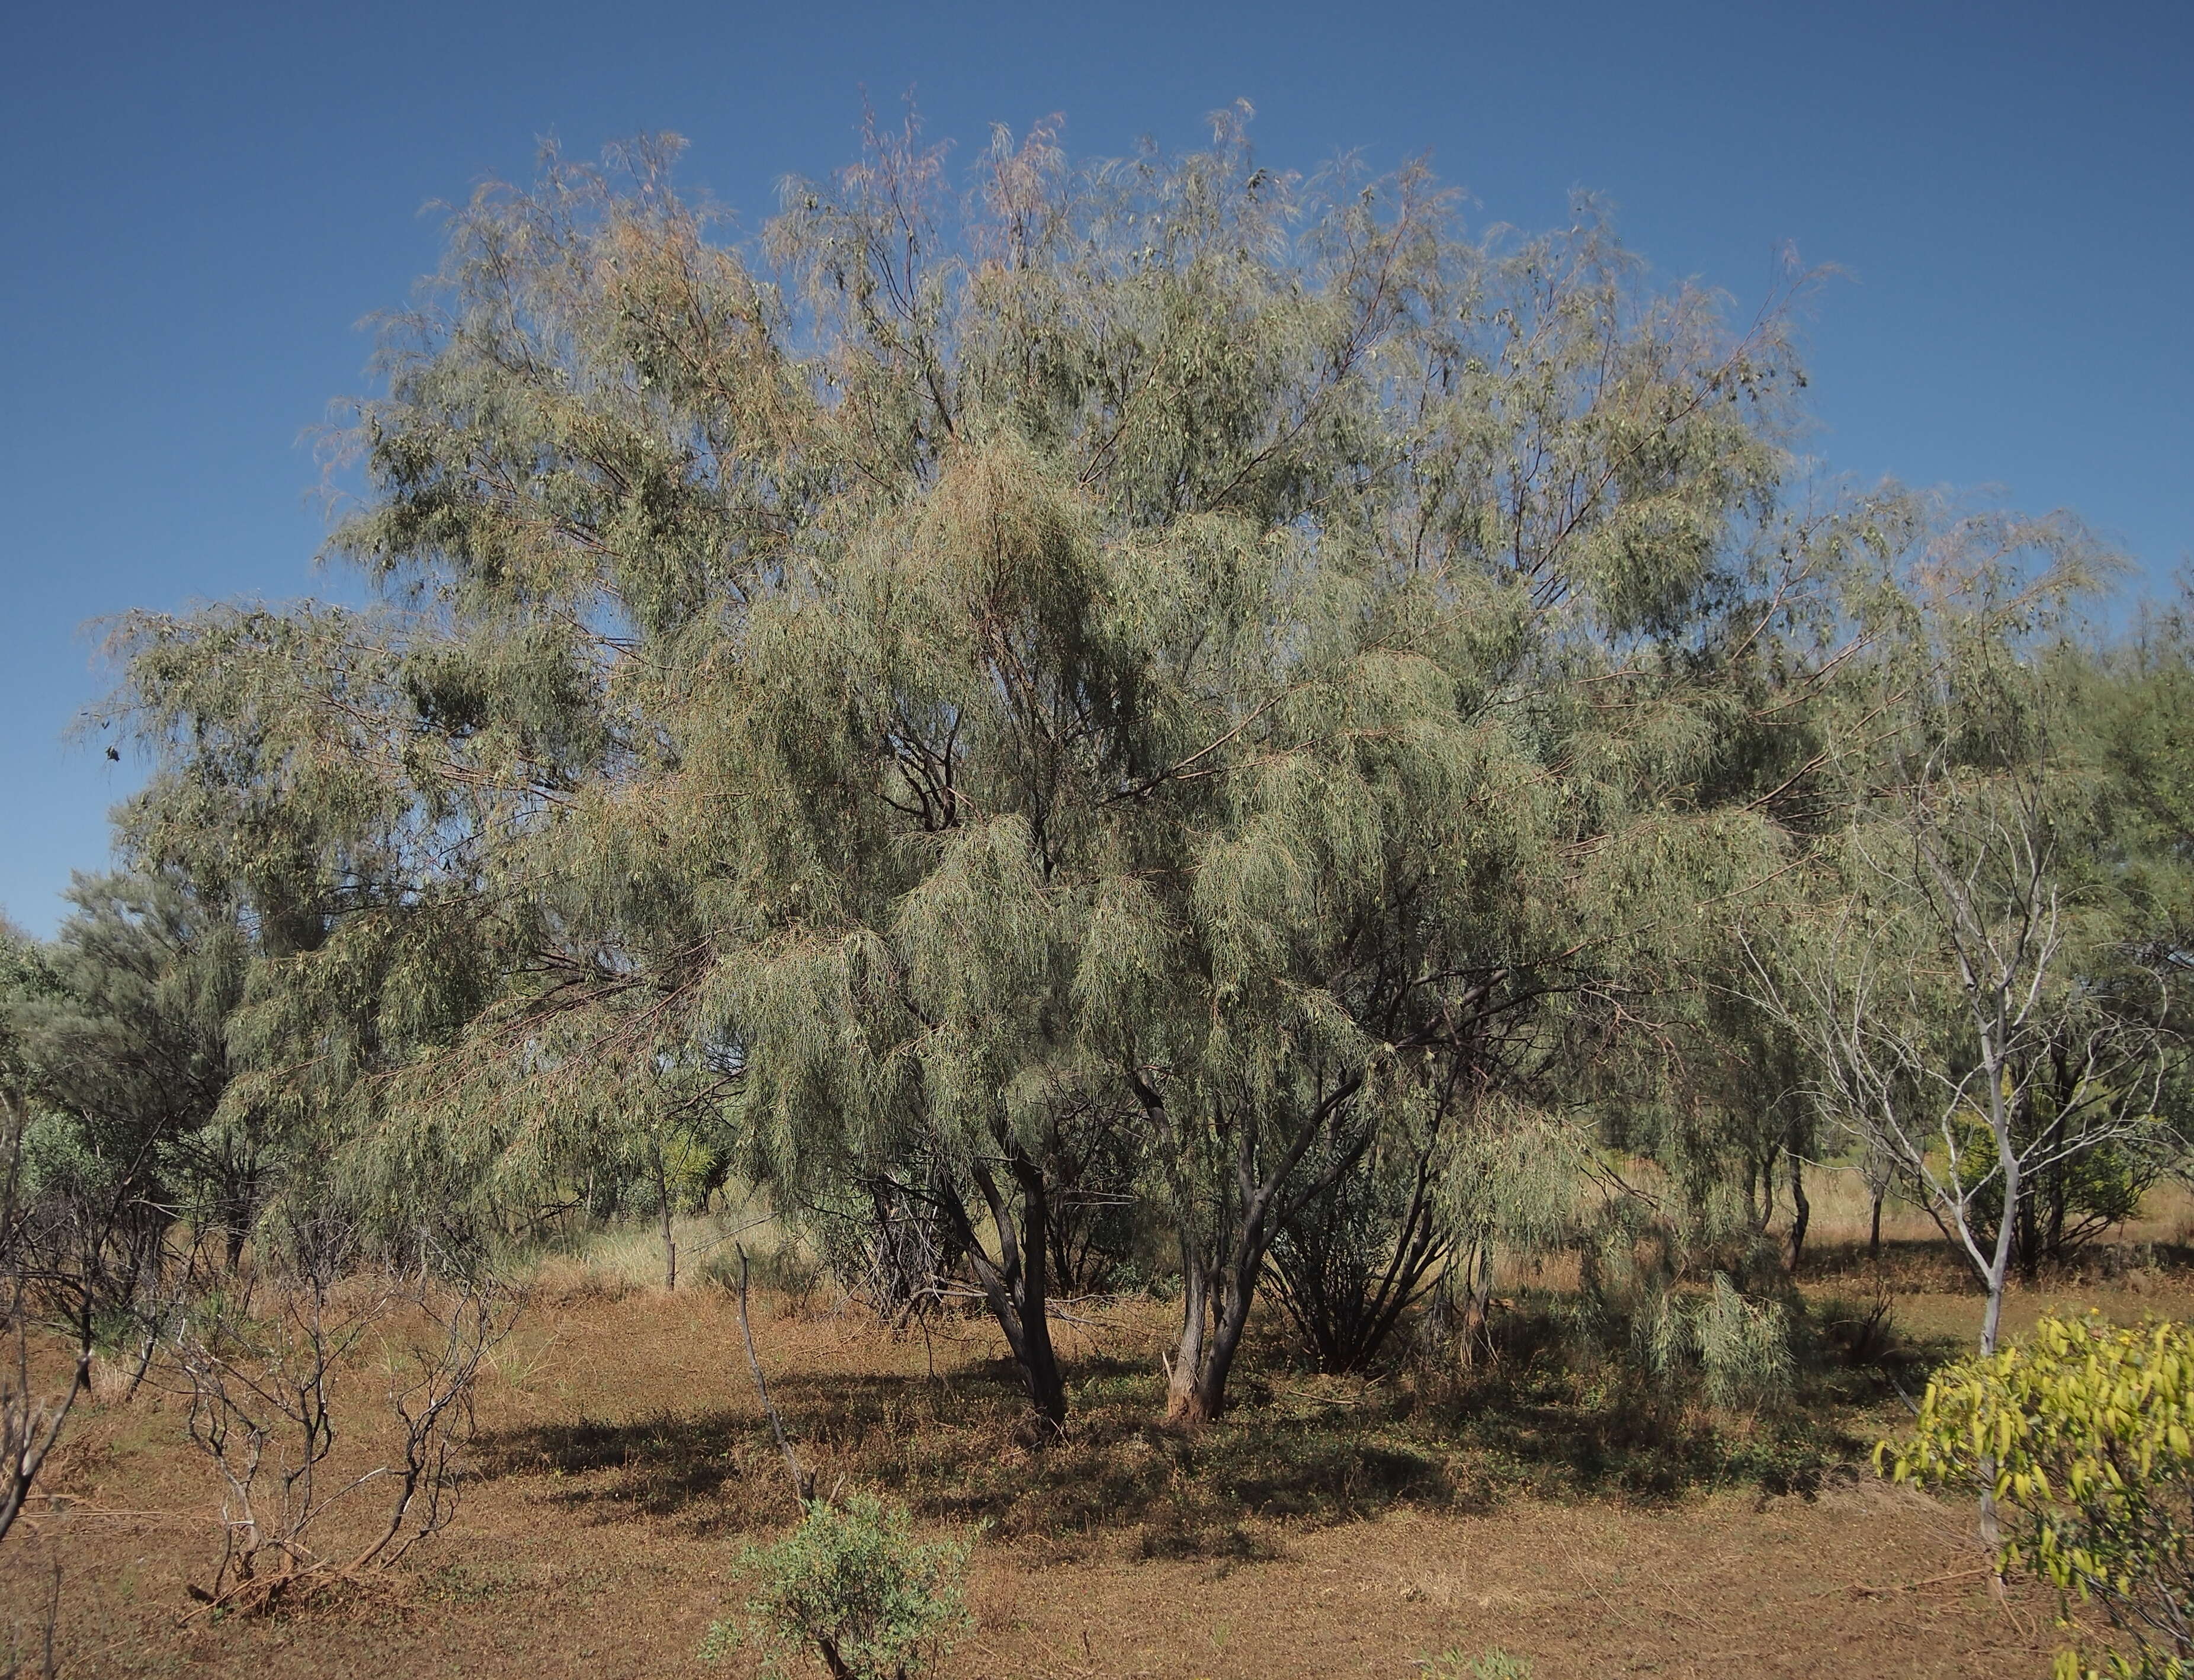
<point x="201" y="202"/>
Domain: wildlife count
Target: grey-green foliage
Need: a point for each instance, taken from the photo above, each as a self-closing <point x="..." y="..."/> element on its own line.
<point x="852" y="1587"/>
<point x="2137" y="701"/>
<point x="26" y="982"/>
<point x="2132" y="707"/>
<point x="1519" y="1179"/>
<point x="117" y="1033"/>
<point x="113" y="1069"/>
<point x="1739" y="1348"/>
<point x="58" y="1162"/>
<point x="1161" y="644"/>
<point x="26" y="977"/>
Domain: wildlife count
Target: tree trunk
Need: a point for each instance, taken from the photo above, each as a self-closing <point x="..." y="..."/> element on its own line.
<point x="662" y="1207"/>
<point x="2065" y="1089"/>
<point x="2059" y="1194"/>
<point x="1215" y="1306"/>
<point x="1184" y="1398"/>
<point x="2026" y="1242"/>
<point x="1197" y="1392"/>
<point x="1222" y="1287"/>
<point x="1479" y="1268"/>
<point x="1802" y="1210"/>
<point x="1047" y="1388"/>
<point x="1014" y="1285"/>
<point x="239" y="1197"/>
<point x="1874" y="1236"/>
<point x="1998" y="1273"/>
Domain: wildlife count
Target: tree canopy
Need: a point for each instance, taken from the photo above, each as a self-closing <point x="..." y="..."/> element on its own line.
<point x="1160" y="674"/>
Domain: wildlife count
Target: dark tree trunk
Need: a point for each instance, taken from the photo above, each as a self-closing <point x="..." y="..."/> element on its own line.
<point x="663" y="1208"/>
<point x="237" y="1198"/>
<point x="1014" y="1284"/>
<point x="1478" y="1266"/>
<point x="2059" y="1192"/>
<point x="1802" y="1210"/>
<point x="1185" y="1399"/>
<point x="1196" y="1391"/>
<point x="1874" y="1236"/>
<point x="2026" y="1229"/>
<point x="1039" y="1358"/>
<point x="1227" y="1325"/>
<point x="2026" y="1239"/>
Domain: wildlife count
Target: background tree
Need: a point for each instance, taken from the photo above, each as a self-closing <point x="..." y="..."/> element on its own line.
<point x="113" y="1067"/>
<point x="1966" y="1001"/>
<point x="31" y="1420"/>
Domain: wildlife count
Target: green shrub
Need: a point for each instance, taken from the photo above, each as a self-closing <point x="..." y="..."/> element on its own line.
<point x="851" y="1586"/>
<point x="2083" y="1435"/>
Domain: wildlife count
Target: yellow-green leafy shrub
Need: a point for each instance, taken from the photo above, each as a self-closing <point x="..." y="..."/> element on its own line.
<point x="2083" y="1435"/>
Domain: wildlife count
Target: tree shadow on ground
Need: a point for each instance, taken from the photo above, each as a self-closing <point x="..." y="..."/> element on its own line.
<point x="1901" y="1265"/>
<point x="1296" y="1448"/>
<point x="1913" y="1265"/>
<point x="662" y="1464"/>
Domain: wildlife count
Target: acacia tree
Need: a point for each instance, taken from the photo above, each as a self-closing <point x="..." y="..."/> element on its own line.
<point x="1968" y="1005"/>
<point x="31" y="1420"/>
<point x="1160" y="648"/>
<point x="129" y="1052"/>
<point x="1478" y="759"/>
<point x="2136" y="699"/>
<point x="113" y="1065"/>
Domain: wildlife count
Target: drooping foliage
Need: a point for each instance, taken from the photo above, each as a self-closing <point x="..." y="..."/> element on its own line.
<point x="116" y="1036"/>
<point x="1158" y="682"/>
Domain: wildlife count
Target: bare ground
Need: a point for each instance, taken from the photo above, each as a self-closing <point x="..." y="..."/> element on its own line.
<point x="1329" y="1527"/>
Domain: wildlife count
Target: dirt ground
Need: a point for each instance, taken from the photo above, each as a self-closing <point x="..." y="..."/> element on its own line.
<point x="1329" y="1527"/>
<point x="1858" y="1582"/>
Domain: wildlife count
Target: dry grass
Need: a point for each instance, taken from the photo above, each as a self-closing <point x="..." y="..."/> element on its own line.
<point x="629" y="1257"/>
<point x="1842" y="1215"/>
<point x="1328" y="1527"/>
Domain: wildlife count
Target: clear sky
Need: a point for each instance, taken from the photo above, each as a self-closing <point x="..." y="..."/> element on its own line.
<point x="201" y="202"/>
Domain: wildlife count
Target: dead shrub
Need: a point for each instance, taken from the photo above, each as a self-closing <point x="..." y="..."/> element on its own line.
<point x="261" y="1390"/>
